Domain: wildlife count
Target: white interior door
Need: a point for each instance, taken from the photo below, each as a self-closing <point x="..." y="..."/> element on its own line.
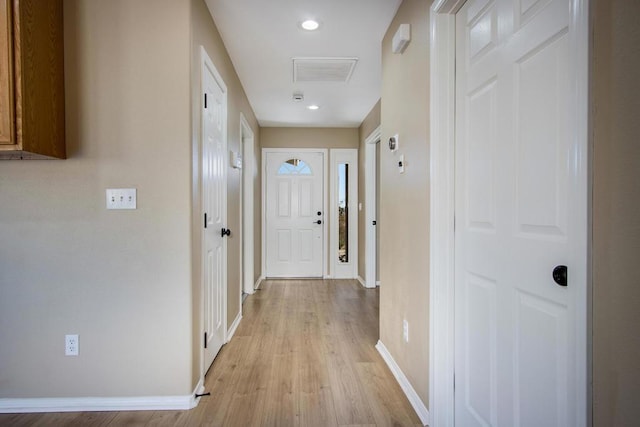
<point x="515" y="328"/>
<point x="294" y="222"/>
<point x="214" y="198"/>
<point x="371" y="208"/>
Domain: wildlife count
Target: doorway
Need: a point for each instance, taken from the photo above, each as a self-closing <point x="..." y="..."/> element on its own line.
<point x="372" y="147"/>
<point x="294" y="220"/>
<point x="247" y="205"/>
<point x="214" y="206"/>
<point x="521" y="182"/>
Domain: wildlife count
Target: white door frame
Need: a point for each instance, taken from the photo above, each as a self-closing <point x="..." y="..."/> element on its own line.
<point x="347" y="270"/>
<point x="246" y="200"/>
<point x="205" y="62"/>
<point x="442" y="196"/>
<point x="370" y="173"/>
<point x="325" y="201"/>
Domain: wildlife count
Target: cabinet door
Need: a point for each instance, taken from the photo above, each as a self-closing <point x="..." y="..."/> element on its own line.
<point x="6" y="73"/>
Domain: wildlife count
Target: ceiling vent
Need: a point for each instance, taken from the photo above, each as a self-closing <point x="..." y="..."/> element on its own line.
<point x="323" y="69"/>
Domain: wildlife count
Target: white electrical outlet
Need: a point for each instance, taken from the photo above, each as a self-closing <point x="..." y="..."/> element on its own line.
<point x="71" y="345"/>
<point x="121" y="198"/>
<point x="405" y="330"/>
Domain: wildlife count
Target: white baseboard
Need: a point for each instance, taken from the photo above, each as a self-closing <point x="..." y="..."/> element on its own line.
<point x="234" y="326"/>
<point x="362" y="282"/>
<point x="258" y="282"/>
<point x="378" y="283"/>
<point x="409" y="391"/>
<point x="84" y="404"/>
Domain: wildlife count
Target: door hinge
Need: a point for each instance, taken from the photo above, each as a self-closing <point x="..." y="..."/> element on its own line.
<point x="205" y="100"/>
<point x="205" y="220"/>
<point x="205" y="340"/>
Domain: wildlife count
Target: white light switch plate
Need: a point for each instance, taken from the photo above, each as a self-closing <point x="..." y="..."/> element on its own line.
<point x="121" y="198"/>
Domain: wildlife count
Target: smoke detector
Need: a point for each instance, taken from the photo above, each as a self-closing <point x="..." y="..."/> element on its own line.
<point x="298" y="96"/>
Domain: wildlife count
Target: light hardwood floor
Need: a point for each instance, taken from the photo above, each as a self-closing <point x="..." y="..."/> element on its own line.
<point x="303" y="355"/>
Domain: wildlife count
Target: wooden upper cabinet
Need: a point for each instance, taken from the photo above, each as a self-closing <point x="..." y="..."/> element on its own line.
<point x="31" y="80"/>
<point x="6" y="74"/>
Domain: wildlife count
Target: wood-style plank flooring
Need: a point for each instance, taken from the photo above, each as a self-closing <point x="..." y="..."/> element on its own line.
<point x="303" y="355"/>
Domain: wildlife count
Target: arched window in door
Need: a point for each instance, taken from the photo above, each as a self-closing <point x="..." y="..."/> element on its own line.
<point x="294" y="167"/>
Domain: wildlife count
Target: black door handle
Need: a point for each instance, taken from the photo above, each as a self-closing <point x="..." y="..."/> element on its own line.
<point x="225" y="232"/>
<point x="560" y="275"/>
<point x="373" y="222"/>
<point x="318" y="222"/>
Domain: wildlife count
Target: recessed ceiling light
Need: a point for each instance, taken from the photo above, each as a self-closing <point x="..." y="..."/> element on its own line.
<point x="310" y="25"/>
<point x="313" y="107"/>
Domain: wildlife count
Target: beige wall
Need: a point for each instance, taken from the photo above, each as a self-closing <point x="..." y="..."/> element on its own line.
<point x="404" y="207"/>
<point x="369" y="124"/>
<point x="128" y="282"/>
<point x="119" y="279"/>
<point x="204" y="33"/>
<point x="616" y="213"/>
<point x="309" y="137"/>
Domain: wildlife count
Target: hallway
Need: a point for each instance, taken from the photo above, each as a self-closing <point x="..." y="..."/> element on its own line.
<point x="303" y="355"/>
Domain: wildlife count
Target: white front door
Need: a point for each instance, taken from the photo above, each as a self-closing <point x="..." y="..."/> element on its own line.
<point x="515" y="327"/>
<point x="294" y="222"/>
<point x="214" y="203"/>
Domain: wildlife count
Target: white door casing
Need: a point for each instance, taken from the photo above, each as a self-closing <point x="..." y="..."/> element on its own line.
<point x="519" y="336"/>
<point x="214" y="205"/>
<point x="370" y="206"/>
<point x="348" y="269"/>
<point x="248" y="171"/>
<point x="294" y="213"/>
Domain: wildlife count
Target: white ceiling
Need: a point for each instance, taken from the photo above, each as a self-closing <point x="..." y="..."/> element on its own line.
<point x="263" y="36"/>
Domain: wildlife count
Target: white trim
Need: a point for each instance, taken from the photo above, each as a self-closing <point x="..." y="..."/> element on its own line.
<point x="581" y="224"/>
<point x="339" y="270"/>
<point x="409" y="391"/>
<point x="442" y="119"/>
<point x="361" y="281"/>
<point x="442" y="107"/>
<point x="234" y="326"/>
<point x="325" y="201"/>
<point x="258" y="282"/>
<point x="86" y="404"/>
<point x="370" y="172"/>
<point x="247" y="238"/>
<point x="449" y="7"/>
